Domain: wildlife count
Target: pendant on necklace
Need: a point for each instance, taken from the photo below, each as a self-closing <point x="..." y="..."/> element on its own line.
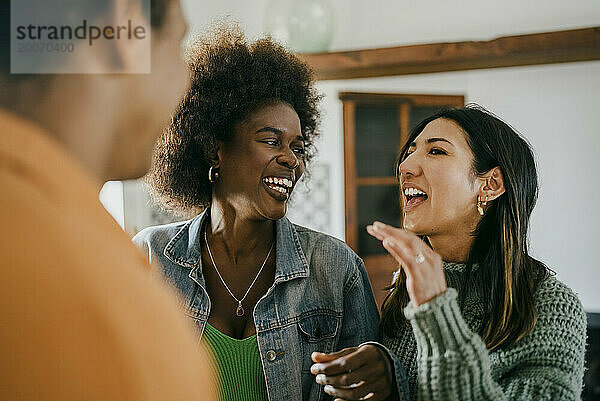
<point x="239" y="311"/>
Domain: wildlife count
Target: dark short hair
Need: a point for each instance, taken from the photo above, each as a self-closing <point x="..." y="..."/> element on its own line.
<point x="230" y="78"/>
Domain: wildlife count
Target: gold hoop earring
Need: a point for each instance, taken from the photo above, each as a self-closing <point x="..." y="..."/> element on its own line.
<point x="481" y="204"/>
<point x="213" y="175"/>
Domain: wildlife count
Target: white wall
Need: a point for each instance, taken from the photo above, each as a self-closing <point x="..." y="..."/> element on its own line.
<point x="382" y="23"/>
<point x="554" y="106"/>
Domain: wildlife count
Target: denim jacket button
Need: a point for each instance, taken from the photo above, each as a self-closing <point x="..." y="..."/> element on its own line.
<point x="271" y="355"/>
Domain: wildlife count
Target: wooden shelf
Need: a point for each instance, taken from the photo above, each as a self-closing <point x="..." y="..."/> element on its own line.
<point x="375" y="98"/>
<point x="509" y="51"/>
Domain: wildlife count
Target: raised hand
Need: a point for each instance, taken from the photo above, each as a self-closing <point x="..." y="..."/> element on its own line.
<point x="425" y="277"/>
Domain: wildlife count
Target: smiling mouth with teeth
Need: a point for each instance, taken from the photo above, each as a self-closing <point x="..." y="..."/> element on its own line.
<point x="414" y="197"/>
<point x="282" y="185"/>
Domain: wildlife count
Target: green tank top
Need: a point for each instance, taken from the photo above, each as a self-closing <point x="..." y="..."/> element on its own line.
<point x="240" y="369"/>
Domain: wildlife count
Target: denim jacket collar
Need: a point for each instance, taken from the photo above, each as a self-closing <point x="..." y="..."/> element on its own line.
<point x="185" y="248"/>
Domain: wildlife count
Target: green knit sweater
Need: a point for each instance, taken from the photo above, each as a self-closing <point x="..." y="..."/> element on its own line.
<point x="445" y="359"/>
<point x="241" y="376"/>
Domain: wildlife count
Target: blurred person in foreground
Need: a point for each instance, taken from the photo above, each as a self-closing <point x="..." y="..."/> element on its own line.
<point x="82" y="318"/>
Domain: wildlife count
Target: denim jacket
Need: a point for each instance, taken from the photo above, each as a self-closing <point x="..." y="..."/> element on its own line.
<point x="321" y="299"/>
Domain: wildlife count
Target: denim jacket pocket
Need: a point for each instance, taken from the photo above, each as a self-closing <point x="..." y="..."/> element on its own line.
<point x="318" y="333"/>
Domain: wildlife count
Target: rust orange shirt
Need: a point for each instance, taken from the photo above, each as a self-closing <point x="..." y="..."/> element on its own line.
<point x="81" y="317"/>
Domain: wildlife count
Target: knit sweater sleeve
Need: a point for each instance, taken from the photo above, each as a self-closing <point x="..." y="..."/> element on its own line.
<point x="454" y="364"/>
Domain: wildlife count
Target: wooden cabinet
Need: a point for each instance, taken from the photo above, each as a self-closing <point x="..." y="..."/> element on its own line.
<point x="376" y="126"/>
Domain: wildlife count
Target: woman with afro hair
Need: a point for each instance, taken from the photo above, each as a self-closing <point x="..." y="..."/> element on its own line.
<point x="265" y="294"/>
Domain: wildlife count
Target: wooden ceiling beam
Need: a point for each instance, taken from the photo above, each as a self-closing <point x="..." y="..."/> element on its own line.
<point x="509" y="51"/>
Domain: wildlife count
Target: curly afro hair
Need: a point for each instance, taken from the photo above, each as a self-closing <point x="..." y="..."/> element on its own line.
<point x="229" y="79"/>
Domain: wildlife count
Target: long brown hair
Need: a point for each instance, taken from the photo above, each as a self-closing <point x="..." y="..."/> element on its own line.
<point x="506" y="277"/>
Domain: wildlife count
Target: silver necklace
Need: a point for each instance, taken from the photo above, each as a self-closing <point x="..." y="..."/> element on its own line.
<point x="240" y="310"/>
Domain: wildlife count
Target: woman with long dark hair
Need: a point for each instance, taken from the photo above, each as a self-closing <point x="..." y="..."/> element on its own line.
<point x="471" y="315"/>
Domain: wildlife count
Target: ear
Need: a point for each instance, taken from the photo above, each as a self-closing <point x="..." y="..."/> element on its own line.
<point x="494" y="185"/>
<point x="216" y="155"/>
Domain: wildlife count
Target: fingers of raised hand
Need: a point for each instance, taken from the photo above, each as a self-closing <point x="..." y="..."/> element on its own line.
<point x="423" y="267"/>
<point x="405" y="246"/>
<point x="375" y="233"/>
<point x="380" y="230"/>
<point x="404" y="237"/>
<point x="403" y="252"/>
<point x="394" y="249"/>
